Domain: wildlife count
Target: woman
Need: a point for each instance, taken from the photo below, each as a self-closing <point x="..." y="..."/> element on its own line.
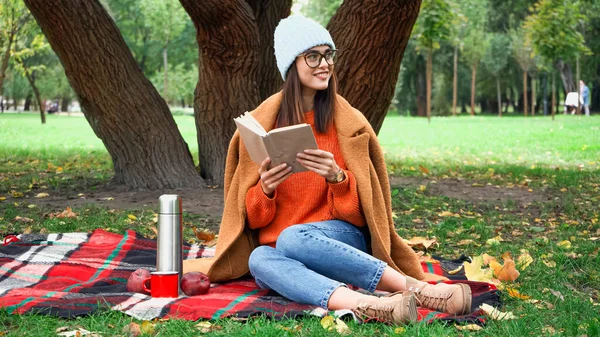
<point x="317" y="229"/>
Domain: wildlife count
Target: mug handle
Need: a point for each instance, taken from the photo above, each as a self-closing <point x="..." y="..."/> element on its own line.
<point x="146" y="289"/>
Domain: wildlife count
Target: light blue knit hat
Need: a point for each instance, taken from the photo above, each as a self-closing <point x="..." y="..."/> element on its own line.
<point x="294" y="35"/>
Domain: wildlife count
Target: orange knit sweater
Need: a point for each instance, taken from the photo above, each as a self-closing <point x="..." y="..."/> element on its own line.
<point x="305" y="197"/>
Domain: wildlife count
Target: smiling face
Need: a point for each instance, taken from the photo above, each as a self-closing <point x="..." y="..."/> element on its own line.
<point x="314" y="79"/>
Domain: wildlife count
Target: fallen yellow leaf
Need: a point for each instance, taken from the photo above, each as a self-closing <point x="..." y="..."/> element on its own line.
<point x="506" y="272"/>
<point x="565" y="244"/>
<point x="512" y="292"/>
<point x="42" y="195"/>
<point x="468" y="327"/>
<point x="419" y="242"/>
<point x="524" y="260"/>
<point x="496" y="314"/>
<point x="474" y="272"/>
<point x="132" y="217"/>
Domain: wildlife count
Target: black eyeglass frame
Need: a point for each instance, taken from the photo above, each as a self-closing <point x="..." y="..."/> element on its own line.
<point x="321" y="57"/>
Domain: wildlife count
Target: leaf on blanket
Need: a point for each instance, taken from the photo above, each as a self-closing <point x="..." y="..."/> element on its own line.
<point x="496" y="314"/>
<point x="506" y="272"/>
<point x="475" y="272"/>
<point x="422" y="243"/>
<point x="426" y="257"/>
<point x="67" y="213"/>
<point x="207" y="238"/>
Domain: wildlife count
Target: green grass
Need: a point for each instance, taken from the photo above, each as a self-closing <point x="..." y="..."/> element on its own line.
<point x="558" y="160"/>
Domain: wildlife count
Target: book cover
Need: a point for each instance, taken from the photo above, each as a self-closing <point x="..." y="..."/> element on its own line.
<point x="280" y="144"/>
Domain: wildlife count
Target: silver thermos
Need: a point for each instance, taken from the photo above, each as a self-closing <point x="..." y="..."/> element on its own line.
<point x="169" y="251"/>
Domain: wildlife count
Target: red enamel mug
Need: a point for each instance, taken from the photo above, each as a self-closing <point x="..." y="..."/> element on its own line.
<point x="162" y="284"/>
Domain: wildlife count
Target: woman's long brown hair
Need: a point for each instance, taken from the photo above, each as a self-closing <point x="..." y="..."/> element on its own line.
<point x="291" y="111"/>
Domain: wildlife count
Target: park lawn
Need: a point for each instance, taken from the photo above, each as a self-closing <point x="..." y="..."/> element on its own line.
<point x="554" y="159"/>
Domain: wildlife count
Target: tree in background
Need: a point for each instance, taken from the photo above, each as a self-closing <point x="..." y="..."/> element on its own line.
<point x="164" y="19"/>
<point x="121" y="105"/>
<point x="523" y="54"/>
<point x="476" y="39"/>
<point x="433" y="26"/>
<point x="457" y="32"/>
<point x="29" y="62"/>
<point x="496" y="59"/>
<point x="13" y="17"/>
<point x="476" y="44"/>
<point x="554" y="30"/>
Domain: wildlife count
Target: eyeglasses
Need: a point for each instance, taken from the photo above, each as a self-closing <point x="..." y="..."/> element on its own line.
<point x="313" y="58"/>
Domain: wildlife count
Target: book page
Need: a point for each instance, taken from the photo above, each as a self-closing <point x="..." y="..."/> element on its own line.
<point x="252" y="138"/>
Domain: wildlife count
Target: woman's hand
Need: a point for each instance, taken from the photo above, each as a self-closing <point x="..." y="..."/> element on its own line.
<point x="270" y="179"/>
<point x="319" y="161"/>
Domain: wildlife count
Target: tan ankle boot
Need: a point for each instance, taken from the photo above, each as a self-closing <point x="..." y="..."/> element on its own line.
<point x="397" y="309"/>
<point x="449" y="298"/>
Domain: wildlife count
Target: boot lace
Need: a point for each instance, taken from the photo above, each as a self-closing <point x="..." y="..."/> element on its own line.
<point x="379" y="312"/>
<point x="431" y="301"/>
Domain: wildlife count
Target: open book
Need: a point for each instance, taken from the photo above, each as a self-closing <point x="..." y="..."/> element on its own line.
<point x="280" y="144"/>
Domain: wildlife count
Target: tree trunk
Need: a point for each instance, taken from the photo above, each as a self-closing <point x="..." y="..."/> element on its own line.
<point x="525" y="93"/>
<point x="499" y="96"/>
<point x="428" y="71"/>
<point x="455" y="81"/>
<point x="371" y="35"/>
<point x="578" y="86"/>
<point x="421" y="87"/>
<point x="553" y="96"/>
<point x="595" y="98"/>
<point x="27" y="104"/>
<point x="38" y="97"/>
<point x="166" y="75"/>
<point x="268" y="14"/>
<point x="6" y="58"/>
<point x="566" y="76"/>
<point x="121" y="105"/>
<point x="64" y="104"/>
<point x="228" y="38"/>
<point x="533" y="96"/>
<point x="473" y="82"/>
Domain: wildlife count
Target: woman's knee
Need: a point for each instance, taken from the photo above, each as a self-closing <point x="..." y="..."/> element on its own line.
<point x="259" y="257"/>
<point x="291" y="239"/>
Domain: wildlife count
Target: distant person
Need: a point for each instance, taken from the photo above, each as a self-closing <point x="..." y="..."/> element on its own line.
<point x="321" y="230"/>
<point x="585" y="96"/>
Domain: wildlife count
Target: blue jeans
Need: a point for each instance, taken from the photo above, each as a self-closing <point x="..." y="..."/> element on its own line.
<point x="312" y="260"/>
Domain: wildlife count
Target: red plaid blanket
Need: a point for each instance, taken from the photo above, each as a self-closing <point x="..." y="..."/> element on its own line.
<point x="75" y="274"/>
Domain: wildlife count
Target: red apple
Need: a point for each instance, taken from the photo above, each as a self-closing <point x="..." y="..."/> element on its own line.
<point x="135" y="280"/>
<point x="195" y="283"/>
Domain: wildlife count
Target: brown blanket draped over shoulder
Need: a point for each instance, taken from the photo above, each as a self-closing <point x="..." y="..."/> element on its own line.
<point x="357" y="142"/>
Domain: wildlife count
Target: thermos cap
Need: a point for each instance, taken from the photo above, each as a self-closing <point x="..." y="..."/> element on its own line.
<point x="169" y="204"/>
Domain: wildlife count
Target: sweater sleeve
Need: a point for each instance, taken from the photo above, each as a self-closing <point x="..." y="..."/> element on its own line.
<point x="343" y="201"/>
<point x="260" y="209"/>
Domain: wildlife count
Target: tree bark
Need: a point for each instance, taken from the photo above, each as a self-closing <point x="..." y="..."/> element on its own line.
<point x="372" y="37"/>
<point x="566" y="76"/>
<point x="595" y="98"/>
<point x="499" y="96"/>
<point x="228" y="38"/>
<point x="27" y="104"/>
<point x="38" y="97"/>
<point x="578" y="86"/>
<point x="455" y="81"/>
<point x="268" y="13"/>
<point x="64" y="104"/>
<point x="121" y="105"/>
<point x="429" y="66"/>
<point x="473" y="83"/>
<point x="525" y="93"/>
